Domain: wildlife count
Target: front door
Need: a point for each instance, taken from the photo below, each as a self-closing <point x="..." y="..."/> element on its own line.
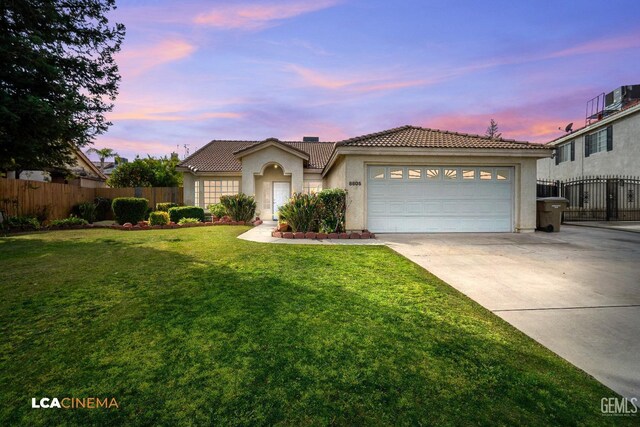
<point x="281" y="194"/>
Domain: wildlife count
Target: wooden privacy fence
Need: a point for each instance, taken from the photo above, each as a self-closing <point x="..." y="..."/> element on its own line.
<point x="54" y="201"/>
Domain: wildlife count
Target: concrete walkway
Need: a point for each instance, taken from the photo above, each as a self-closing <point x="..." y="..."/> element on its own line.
<point x="262" y="234"/>
<point x="577" y="292"/>
<point x="632" y="226"/>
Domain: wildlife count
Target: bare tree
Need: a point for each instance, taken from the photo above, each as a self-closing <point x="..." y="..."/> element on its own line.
<point x="492" y="130"/>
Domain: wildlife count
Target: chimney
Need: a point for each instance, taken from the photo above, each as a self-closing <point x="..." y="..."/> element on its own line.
<point x="310" y="139"/>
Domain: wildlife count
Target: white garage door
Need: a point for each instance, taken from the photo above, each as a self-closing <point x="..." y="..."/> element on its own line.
<point x="415" y="199"/>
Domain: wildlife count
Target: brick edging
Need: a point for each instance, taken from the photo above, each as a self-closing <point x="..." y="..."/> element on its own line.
<point x="322" y="236"/>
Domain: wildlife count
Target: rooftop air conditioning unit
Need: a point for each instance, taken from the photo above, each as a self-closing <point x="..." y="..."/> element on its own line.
<point x="621" y="96"/>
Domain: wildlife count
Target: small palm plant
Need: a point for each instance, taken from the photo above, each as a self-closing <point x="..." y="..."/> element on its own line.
<point x="103" y="154"/>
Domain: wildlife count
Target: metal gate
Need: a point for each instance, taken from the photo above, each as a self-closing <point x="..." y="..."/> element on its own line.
<point x="603" y="198"/>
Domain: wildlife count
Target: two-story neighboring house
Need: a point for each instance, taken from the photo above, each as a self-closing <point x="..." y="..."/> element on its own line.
<point x="608" y="145"/>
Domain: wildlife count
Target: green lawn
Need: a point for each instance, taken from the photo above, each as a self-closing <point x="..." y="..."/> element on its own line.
<point x="194" y="326"/>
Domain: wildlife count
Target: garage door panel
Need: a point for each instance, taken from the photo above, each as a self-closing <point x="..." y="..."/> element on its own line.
<point x="439" y="205"/>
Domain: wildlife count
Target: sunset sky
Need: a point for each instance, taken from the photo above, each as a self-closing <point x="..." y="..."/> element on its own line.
<point x="194" y="71"/>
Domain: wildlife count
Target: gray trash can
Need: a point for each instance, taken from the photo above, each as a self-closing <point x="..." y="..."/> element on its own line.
<point x="549" y="213"/>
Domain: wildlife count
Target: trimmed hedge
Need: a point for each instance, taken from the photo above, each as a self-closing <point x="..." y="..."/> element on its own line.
<point x="165" y="206"/>
<point x="179" y="212"/>
<point x="217" y="210"/>
<point x="129" y="209"/>
<point x="72" y="220"/>
<point x="159" y="218"/>
<point x="184" y="221"/>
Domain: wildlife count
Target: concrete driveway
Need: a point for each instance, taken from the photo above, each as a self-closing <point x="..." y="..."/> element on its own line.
<point x="577" y="292"/>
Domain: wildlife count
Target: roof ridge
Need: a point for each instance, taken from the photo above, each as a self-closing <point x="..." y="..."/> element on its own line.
<point x="379" y="133"/>
<point x="426" y="129"/>
<point x="472" y="135"/>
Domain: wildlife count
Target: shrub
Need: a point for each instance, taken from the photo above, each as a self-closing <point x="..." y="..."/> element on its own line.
<point x="179" y="212"/>
<point x="218" y="210"/>
<point x="103" y="208"/>
<point x="239" y="207"/>
<point x="301" y="212"/>
<point x="129" y="209"/>
<point x="23" y="222"/>
<point x="165" y="206"/>
<point x="72" y="220"/>
<point x="159" y="218"/>
<point x="189" y="221"/>
<point x="332" y="210"/>
<point x="86" y="211"/>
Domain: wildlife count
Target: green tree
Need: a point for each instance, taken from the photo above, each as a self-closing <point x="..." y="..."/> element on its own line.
<point x="149" y="172"/>
<point x="58" y="78"/>
<point x="492" y="130"/>
<point x="103" y="154"/>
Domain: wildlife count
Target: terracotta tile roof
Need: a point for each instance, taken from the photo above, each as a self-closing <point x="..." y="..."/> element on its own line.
<point x="218" y="156"/>
<point x="414" y="136"/>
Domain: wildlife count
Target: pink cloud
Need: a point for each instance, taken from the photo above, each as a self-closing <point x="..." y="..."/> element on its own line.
<point x="171" y="116"/>
<point x="598" y="46"/>
<point x="137" y="60"/>
<point x="256" y="16"/>
<point x="362" y="84"/>
<point x="513" y="123"/>
<point x="125" y="146"/>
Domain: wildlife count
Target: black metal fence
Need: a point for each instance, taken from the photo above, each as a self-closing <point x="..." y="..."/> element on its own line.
<point x="601" y="198"/>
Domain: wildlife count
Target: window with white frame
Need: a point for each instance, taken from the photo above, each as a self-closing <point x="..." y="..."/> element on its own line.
<point x="310" y="187"/>
<point x="597" y="142"/>
<point x="196" y="193"/>
<point x="564" y="152"/>
<point x="214" y="189"/>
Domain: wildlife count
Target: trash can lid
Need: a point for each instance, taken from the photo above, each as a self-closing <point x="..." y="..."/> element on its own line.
<point x="552" y="199"/>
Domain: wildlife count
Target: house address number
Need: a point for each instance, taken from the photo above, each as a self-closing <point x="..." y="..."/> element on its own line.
<point x="355" y="183"/>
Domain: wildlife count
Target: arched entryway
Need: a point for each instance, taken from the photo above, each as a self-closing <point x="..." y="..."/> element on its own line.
<point x="272" y="189"/>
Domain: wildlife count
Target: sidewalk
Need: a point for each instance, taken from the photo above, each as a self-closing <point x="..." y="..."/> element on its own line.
<point x="262" y="234"/>
<point x="632" y="226"/>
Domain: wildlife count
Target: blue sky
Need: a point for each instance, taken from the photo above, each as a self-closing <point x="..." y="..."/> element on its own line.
<point x="199" y="70"/>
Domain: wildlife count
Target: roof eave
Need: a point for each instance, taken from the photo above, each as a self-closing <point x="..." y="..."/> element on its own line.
<point x="590" y="128"/>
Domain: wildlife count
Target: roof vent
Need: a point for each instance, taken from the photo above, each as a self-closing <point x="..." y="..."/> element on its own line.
<point x="310" y="139"/>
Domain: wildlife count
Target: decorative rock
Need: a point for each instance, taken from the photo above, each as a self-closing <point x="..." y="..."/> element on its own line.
<point x="365" y="235"/>
<point x="287" y="235"/>
<point x="333" y="235"/>
<point x="354" y="235"/>
<point x="276" y="234"/>
<point x="127" y="225"/>
<point x="321" y="235"/>
<point x="310" y="235"/>
<point x="343" y="236"/>
<point x="298" y="235"/>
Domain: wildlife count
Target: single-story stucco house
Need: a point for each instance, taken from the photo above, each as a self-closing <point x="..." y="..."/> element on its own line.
<point x="406" y="179"/>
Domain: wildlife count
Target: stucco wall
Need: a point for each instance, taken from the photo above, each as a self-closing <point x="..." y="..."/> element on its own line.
<point x="336" y="177"/>
<point x="524" y="183"/>
<point x="254" y="164"/>
<point x="624" y="159"/>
